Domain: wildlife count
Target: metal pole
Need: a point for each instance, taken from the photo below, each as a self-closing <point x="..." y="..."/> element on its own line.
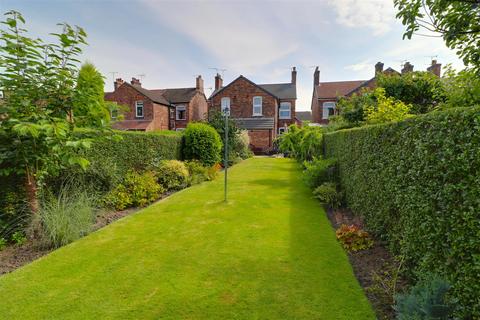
<point x="226" y="152"/>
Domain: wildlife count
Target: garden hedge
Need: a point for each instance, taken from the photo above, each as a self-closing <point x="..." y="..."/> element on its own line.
<point x="417" y="185"/>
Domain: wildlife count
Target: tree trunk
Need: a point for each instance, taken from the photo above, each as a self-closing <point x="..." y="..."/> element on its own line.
<point x="32" y="194"/>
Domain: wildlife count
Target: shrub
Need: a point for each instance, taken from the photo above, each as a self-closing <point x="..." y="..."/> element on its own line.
<point x="64" y="218"/>
<point x="416" y="185"/>
<point x="213" y="171"/>
<point x="203" y="143"/>
<point x="319" y="171"/>
<point x="327" y="194"/>
<point x="197" y="172"/>
<point x="137" y="190"/>
<point x="172" y="174"/>
<point x="18" y="237"/>
<point x="353" y="238"/>
<point x="3" y="243"/>
<point x="425" y="301"/>
<point x="303" y="144"/>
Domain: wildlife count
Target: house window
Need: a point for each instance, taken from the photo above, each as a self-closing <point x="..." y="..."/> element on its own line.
<point x="328" y="109"/>
<point x="139" y="109"/>
<point x="1" y="94"/>
<point x="225" y="103"/>
<point x="180" y="129"/>
<point x="181" y="112"/>
<point x="257" y="106"/>
<point x="285" y="110"/>
<point x="114" y="113"/>
<point x="282" y="130"/>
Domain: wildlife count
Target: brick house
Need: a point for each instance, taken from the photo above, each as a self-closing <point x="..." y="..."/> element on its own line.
<point x="325" y="94"/>
<point x="158" y="109"/>
<point x="264" y="110"/>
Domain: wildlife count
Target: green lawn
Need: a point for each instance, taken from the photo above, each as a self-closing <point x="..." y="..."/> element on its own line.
<point x="270" y="253"/>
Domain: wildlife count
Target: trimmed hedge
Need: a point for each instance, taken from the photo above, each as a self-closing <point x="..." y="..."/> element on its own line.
<point x="417" y="185"/>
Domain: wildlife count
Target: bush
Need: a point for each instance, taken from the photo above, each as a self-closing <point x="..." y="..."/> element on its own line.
<point x="425" y="301"/>
<point x="172" y="174"/>
<point x="197" y="172"/>
<point x="64" y="218"/>
<point x="327" y="194"/>
<point x="353" y="238"/>
<point x="303" y="144"/>
<point x="3" y="243"/>
<point x="416" y="184"/>
<point x="137" y="190"/>
<point x="202" y="143"/>
<point x="319" y="171"/>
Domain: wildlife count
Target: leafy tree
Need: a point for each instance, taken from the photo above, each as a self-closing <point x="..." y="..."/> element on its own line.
<point x="36" y="121"/>
<point x="462" y="89"/>
<point x="351" y="108"/>
<point x="303" y="144"/>
<point x="423" y="90"/>
<point x="457" y="22"/>
<point x="89" y="106"/>
<point x="387" y="109"/>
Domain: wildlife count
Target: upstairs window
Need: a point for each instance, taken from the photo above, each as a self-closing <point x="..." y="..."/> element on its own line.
<point x="181" y="112"/>
<point x="285" y="110"/>
<point x="139" y="109"/>
<point x="328" y="109"/>
<point x="225" y="104"/>
<point x="257" y="106"/>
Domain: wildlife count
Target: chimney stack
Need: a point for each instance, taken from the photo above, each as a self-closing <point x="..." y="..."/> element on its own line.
<point x="435" y="68"/>
<point x="378" y="67"/>
<point x="407" y="67"/>
<point x="294" y="75"/>
<point x="316" y="77"/>
<point x="199" y="83"/>
<point x="135" y="82"/>
<point x="117" y="83"/>
<point x="218" y="81"/>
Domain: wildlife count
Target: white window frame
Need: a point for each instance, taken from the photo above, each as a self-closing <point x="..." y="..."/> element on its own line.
<point x="180" y="129"/>
<point x="326" y="106"/>
<point x="257" y="105"/>
<point x="285" y="103"/>
<point x="225" y="103"/>
<point x="139" y="106"/>
<point x="178" y="108"/>
<point x="282" y="130"/>
<point x="1" y="94"/>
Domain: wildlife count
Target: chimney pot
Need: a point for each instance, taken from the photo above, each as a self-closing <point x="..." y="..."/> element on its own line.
<point x="218" y="81"/>
<point x="435" y="68"/>
<point x="294" y="75"/>
<point x="316" y="77"/>
<point x="135" y="82"/>
<point x="407" y="67"/>
<point x="379" y="67"/>
<point x="199" y="83"/>
<point x="117" y="83"/>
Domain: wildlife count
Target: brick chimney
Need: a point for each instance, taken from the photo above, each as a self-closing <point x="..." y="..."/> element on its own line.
<point x="135" y="82"/>
<point x="117" y="83"/>
<point x="199" y="83"/>
<point x="316" y="77"/>
<point x="378" y="67"/>
<point x="435" y="68"/>
<point x="218" y="81"/>
<point x="407" y="67"/>
<point x="294" y="75"/>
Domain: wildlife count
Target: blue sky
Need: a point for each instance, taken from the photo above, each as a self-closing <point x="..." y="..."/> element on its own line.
<point x="172" y="41"/>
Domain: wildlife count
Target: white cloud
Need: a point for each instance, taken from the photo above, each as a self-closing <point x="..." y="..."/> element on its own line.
<point x="377" y="15"/>
<point x="240" y="37"/>
<point x="361" y="66"/>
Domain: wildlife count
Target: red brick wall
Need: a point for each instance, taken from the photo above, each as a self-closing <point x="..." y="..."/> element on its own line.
<point x="196" y="110"/>
<point x="161" y="121"/>
<point x="260" y="140"/>
<point x="316" y="115"/>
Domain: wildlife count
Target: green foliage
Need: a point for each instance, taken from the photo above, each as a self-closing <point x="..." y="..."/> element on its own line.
<point x="458" y="22"/>
<point x="420" y="89"/>
<point x="427" y="300"/>
<point x="136" y="190"/>
<point x="203" y="143"/>
<point x="319" y="171"/>
<point x="303" y="144"/>
<point x="19" y="238"/>
<point x="38" y="80"/>
<point x="351" y="108"/>
<point x="462" y="89"/>
<point x="386" y="109"/>
<point x="89" y="106"/>
<point x="197" y="172"/>
<point x="64" y="218"/>
<point x="353" y="238"/>
<point x="416" y="184"/>
<point x="327" y="194"/>
<point x="172" y="174"/>
<point x="3" y="243"/>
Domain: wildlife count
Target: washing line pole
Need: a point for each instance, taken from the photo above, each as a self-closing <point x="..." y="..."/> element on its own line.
<point x="225" y="160"/>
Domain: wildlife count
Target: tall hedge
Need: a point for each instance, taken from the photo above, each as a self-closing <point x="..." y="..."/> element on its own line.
<point x="203" y="143"/>
<point x="417" y="184"/>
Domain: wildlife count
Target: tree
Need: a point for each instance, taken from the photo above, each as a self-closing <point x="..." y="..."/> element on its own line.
<point x="423" y="90"/>
<point x="462" y="89"/>
<point x="36" y="121"/>
<point x="89" y="106"/>
<point x="387" y="109"/>
<point x="457" y="22"/>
